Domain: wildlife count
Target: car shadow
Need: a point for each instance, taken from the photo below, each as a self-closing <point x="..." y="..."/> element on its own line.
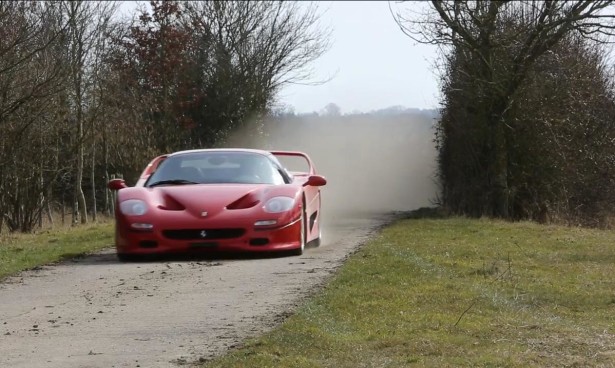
<point x="424" y="213"/>
<point x="212" y="256"/>
<point x="90" y="259"/>
<point x="110" y="257"/>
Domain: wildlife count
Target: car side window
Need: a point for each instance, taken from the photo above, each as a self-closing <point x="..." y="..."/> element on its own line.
<point x="286" y="177"/>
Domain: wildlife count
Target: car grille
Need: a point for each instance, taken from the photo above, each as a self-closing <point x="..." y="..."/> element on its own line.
<point x="191" y="234"/>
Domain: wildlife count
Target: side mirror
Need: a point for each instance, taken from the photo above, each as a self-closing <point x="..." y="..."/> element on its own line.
<point x="315" y="181"/>
<point x="116" y="184"/>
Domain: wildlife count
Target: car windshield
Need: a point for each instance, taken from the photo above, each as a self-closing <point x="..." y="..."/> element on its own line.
<point x="216" y="167"/>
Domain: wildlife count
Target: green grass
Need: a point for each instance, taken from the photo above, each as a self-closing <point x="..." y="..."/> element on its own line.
<point x="19" y="252"/>
<point x="456" y="293"/>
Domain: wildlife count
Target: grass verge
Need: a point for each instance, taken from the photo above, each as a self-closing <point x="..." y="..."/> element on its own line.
<point x="456" y="292"/>
<point x="19" y="252"/>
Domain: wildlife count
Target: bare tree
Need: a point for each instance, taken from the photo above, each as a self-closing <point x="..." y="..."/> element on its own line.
<point x="196" y="71"/>
<point x="87" y="22"/>
<point x="248" y="51"/>
<point x="502" y="60"/>
<point x="331" y="109"/>
<point x="24" y="35"/>
<point x="30" y="76"/>
<point x="85" y="97"/>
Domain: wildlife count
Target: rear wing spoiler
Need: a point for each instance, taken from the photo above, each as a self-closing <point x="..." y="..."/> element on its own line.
<point x="296" y="154"/>
<point x="151" y="167"/>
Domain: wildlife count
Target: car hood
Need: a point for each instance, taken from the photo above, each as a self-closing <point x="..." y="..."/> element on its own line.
<point x="209" y="198"/>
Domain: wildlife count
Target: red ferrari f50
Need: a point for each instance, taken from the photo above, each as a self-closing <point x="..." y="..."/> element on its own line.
<point x="218" y="199"/>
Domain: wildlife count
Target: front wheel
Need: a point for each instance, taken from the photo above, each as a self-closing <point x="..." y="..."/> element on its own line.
<point x="316" y="242"/>
<point x="299" y="251"/>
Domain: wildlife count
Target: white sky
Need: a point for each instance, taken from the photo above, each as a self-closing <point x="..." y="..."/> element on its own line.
<point x="373" y="64"/>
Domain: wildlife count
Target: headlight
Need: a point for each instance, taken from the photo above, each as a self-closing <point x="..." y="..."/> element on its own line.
<point x="133" y="207"/>
<point x="278" y="204"/>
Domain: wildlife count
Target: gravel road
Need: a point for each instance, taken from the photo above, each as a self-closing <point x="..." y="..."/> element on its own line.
<point x="97" y="312"/>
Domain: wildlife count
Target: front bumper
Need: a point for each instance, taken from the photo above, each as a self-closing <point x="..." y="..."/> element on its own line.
<point x="239" y="235"/>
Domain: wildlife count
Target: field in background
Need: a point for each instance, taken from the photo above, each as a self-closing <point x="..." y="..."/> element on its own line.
<point x="456" y="292"/>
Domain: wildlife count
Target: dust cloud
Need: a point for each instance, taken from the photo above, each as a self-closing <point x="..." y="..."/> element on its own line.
<point x="373" y="164"/>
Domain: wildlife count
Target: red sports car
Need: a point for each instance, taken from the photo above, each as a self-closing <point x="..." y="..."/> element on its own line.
<point x="218" y="199"/>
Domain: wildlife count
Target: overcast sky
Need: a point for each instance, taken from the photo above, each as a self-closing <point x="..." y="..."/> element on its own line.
<point x="373" y="63"/>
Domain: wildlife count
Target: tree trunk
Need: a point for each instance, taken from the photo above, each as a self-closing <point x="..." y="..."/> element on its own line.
<point x="48" y="208"/>
<point x="499" y="173"/>
<point x="79" y="179"/>
<point x="77" y="55"/>
<point x="41" y="193"/>
<point x="107" y="208"/>
<point x="93" y="178"/>
<point x="79" y="196"/>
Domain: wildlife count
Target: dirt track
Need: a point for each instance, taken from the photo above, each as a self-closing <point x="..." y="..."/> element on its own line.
<point x="97" y="312"/>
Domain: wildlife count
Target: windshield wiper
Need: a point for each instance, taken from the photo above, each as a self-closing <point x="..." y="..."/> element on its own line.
<point x="172" y="182"/>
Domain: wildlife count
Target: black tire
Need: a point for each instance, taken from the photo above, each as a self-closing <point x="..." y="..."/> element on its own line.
<point x="316" y="242"/>
<point x="299" y="251"/>
<point x="128" y="257"/>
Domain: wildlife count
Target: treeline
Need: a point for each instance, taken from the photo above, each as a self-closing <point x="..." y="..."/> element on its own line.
<point x="86" y="93"/>
<point x="528" y="111"/>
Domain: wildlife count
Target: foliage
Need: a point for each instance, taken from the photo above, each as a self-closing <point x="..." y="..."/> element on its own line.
<point x="195" y="72"/>
<point x="31" y="76"/>
<point x="508" y="126"/>
<point x="86" y="95"/>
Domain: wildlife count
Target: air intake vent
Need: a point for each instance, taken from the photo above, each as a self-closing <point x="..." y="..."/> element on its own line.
<point x="259" y="241"/>
<point x="209" y="234"/>
<point x="148" y="244"/>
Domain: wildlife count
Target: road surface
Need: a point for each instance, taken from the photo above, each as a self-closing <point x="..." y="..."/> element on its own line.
<point x="98" y="312"/>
